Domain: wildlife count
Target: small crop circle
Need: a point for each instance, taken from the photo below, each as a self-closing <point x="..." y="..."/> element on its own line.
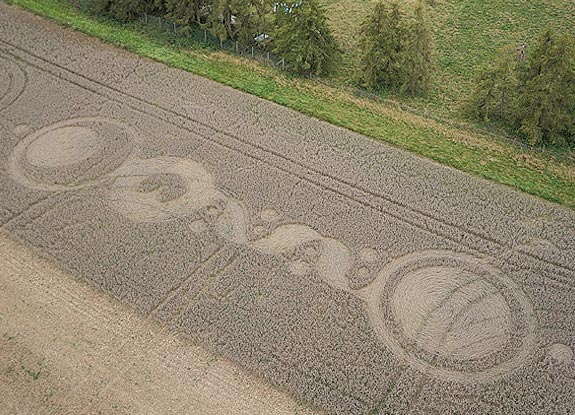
<point x="561" y="353"/>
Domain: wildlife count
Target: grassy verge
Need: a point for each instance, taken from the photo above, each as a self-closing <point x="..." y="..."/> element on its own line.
<point x="551" y="176"/>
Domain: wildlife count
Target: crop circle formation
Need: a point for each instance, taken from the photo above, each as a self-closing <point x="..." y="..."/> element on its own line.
<point x="162" y="189"/>
<point x="71" y="154"/>
<point x="451" y="316"/>
<point x="12" y="82"/>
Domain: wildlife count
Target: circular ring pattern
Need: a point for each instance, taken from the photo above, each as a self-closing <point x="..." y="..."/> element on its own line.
<point x="12" y="82"/>
<point x="71" y="154"/>
<point x="451" y="316"/>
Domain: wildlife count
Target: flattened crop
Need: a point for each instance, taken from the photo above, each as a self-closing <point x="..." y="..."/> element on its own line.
<point x="355" y="275"/>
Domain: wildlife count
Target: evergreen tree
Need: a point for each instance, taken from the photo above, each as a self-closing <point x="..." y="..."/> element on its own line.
<point x="532" y="92"/>
<point x="495" y="93"/>
<point x="382" y="47"/>
<point x="221" y="19"/>
<point x="120" y="9"/>
<point x="93" y="6"/>
<point x="546" y="107"/>
<point x="236" y="19"/>
<point x="419" y="55"/>
<point x="188" y="12"/>
<point x="247" y="23"/>
<point x="129" y="9"/>
<point x="303" y="38"/>
<point x="262" y="10"/>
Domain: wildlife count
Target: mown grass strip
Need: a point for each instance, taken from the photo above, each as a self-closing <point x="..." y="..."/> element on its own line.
<point x="539" y="173"/>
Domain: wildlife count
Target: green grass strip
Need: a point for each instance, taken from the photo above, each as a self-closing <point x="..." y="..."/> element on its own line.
<point x="551" y="176"/>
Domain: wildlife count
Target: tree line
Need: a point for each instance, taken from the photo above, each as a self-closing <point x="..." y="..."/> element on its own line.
<point x="396" y="50"/>
<point x="531" y="90"/>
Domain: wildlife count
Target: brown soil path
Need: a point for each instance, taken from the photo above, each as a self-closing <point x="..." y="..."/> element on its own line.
<point x="67" y="348"/>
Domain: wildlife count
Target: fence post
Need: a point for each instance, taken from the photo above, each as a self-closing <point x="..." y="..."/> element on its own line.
<point x="205" y="36"/>
<point x="268" y="56"/>
<point x="221" y="43"/>
<point x="160" y="21"/>
<point x="252" y="51"/>
<point x="175" y="31"/>
<point x="283" y="64"/>
<point x="146" y="17"/>
<point x="236" y="46"/>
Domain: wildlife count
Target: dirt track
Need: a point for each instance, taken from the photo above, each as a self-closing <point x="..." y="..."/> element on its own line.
<point x="356" y="275"/>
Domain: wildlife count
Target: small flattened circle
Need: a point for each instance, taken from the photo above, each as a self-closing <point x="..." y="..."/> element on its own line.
<point x="368" y="255"/>
<point x="561" y="353"/>
<point x="299" y="268"/>
<point x="269" y="215"/>
<point x="198" y="226"/>
<point x="363" y="272"/>
<point x="22" y="130"/>
<point x="259" y="231"/>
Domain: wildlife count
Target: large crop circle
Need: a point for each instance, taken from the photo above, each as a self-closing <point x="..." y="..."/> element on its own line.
<point x="452" y="316"/>
<point x="72" y="153"/>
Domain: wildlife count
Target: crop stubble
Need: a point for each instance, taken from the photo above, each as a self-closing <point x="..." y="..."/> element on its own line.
<point x="354" y="274"/>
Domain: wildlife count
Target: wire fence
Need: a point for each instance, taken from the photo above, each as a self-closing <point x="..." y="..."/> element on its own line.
<point x="207" y="38"/>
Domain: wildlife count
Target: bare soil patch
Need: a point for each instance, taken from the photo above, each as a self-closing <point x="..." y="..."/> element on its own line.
<point x="66" y="347"/>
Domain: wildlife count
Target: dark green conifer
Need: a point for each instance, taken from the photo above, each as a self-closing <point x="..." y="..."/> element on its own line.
<point x="419" y="53"/>
<point x="382" y="45"/>
<point x="302" y="37"/>
<point x="546" y="103"/>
